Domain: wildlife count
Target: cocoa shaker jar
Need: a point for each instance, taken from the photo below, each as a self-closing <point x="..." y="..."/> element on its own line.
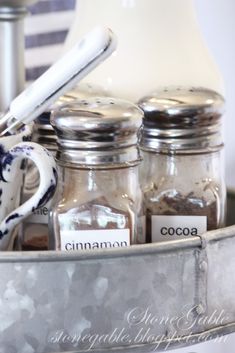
<point x="182" y="174"/>
<point x="98" y="203"/>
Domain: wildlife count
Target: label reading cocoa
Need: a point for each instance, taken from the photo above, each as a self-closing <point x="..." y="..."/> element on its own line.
<point x="74" y="240"/>
<point x="177" y="227"/>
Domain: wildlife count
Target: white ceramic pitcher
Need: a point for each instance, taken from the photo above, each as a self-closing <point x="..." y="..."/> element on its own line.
<point x="159" y="43"/>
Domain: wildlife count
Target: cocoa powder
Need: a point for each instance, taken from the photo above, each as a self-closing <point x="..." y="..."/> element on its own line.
<point x="36" y="244"/>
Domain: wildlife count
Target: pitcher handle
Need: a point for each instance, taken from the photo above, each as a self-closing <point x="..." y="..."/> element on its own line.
<point x="48" y="181"/>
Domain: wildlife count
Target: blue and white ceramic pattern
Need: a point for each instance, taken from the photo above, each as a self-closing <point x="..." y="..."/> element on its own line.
<point x="13" y="152"/>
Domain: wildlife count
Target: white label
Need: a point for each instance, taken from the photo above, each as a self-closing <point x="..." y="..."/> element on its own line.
<point x="39" y="216"/>
<point x="175" y="227"/>
<point x="94" y="239"/>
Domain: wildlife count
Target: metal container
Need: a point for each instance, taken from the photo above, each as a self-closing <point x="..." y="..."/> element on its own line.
<point x="136" y="299"/>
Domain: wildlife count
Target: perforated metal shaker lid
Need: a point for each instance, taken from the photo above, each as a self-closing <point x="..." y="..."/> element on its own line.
<point x="43" y="131"/>
<point x="180" y="118"/>
<point x="97" y="131"/>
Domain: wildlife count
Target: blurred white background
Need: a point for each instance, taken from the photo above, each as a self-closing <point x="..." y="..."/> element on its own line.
<point x="217" y="22"/>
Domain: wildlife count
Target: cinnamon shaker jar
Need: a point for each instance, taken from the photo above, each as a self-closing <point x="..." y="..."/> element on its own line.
<point x="98" y="203"/>
<point x="182" y="174"/>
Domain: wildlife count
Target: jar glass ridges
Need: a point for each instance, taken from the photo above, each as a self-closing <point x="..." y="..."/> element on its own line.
<point x="99" y="201"/>
<point x="182" y="174"/>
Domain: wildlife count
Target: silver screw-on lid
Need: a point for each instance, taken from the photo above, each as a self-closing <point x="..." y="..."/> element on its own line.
<point x="43" y="132"/>
<point x="97" y="131"/>
<point x="179" y="118"/>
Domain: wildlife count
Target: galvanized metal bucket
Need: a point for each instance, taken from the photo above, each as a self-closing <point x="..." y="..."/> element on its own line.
<point x="137" y="299"/>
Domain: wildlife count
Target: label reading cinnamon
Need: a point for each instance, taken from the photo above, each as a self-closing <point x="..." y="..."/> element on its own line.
<point x="166" y="228"/>
<point x="74" y="240"/>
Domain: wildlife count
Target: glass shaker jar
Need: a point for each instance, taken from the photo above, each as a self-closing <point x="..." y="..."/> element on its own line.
<point x="182" y="174"/>
<point x="33" y="233"/>
<point x="98" y="203"/>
